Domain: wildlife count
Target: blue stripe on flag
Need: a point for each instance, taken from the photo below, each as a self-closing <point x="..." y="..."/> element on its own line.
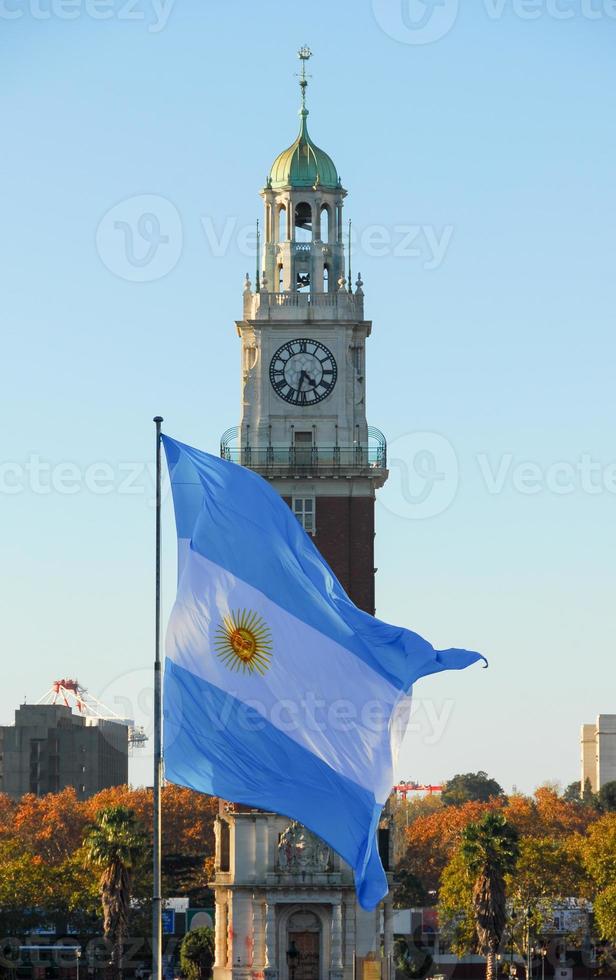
<point x="216" y="744"/>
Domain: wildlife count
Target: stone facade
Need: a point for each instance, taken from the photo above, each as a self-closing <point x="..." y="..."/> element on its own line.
<point x="49" y="748"/>
<point x="598" y="752"/>
<point x="276" y="885"/>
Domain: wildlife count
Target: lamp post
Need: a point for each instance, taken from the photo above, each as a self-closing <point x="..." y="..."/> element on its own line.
<point x="293" y="958"/>
<point x="543" y="951"/>
<point x="511" y="932"/>
<point x="77" y="958"/>
<point x="529" y="962"/>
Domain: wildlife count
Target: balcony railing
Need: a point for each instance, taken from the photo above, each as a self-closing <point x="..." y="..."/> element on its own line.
<point x="337" y="305"/>
<point x="288" y="461"/>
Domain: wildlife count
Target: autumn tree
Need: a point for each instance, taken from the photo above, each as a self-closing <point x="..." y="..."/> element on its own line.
<point x="51" y="826"/>
<point x="43" y="871"/>
<point x="433" y="838"/>
<point x="599" y="857"/>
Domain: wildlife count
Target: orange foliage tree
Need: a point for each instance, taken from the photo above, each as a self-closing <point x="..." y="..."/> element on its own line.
<point x="431" y="840"/>
<point x="43" y="837"/>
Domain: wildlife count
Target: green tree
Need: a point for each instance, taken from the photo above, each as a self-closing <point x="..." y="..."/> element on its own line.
<point x="607" y="797"/>
<point x="468" y="787"/>
<point x="197" y="953"/>
<point x="116" y="844"/>
<point x="489" y="850"/>
<point x="605" y="912"/>
<point x="588" y="796"/>
<point x="408" y="890"/>
<point x="573" y="792"/>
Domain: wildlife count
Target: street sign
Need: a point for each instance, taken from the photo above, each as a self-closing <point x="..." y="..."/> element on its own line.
<point x="168" y="917"/>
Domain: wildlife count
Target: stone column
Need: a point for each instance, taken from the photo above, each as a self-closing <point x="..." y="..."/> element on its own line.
<point x="258" y="932"/>
<point x="349" y="933"/>
<point x="221" y="929"/>
<point x="230" y="921"/>
<point x="336" y="943"/>
<point x="268" y="223"/>
<point x="242" y="930"/>
<point x="316" y="221"/>
<point x="270" y="939"/>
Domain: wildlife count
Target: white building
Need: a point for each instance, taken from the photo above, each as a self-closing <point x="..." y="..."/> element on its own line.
<point x="279" y="889"/>
<point x="598" y="751"/>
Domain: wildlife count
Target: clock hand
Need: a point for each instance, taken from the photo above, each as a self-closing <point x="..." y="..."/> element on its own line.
<point x="304" y="376"/>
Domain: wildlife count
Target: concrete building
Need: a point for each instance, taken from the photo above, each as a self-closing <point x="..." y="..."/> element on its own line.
<point x="50" y="748"/>
<point x="280" y="889"/>
<point x="598" y="752"/>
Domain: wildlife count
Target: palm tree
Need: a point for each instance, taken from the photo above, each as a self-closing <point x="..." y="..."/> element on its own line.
<point x="489" y="850"/>
<point x="115" y="843"/>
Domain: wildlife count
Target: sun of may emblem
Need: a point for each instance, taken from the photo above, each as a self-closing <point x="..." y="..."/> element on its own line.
<point x="244" y="642"/>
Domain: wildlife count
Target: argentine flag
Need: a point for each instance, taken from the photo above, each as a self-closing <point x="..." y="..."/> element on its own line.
<point x="280" y="693"/>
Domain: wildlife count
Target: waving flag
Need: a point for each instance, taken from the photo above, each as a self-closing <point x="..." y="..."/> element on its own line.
<point x="280" y="693"/>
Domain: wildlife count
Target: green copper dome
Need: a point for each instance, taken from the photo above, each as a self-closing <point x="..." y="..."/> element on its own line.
<point x="303" y="164"/>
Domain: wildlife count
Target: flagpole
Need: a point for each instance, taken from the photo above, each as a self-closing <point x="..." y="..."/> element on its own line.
<point x="157" y="964"/>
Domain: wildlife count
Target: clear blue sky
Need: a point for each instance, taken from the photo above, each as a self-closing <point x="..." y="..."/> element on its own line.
<point x="496" y="139"/>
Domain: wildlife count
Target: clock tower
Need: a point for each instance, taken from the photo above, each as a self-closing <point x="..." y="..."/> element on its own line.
<point x="303" y="334"/>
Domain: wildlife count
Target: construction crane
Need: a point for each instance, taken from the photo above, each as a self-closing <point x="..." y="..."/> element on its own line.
<point x="70" y="692"/>
<point x="404" y="788"/>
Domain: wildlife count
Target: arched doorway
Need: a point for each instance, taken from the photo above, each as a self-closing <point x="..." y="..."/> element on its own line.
<point x="304" y="935"/>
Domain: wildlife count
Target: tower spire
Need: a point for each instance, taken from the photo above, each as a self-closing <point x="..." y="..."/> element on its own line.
<point x="304" y="54"/>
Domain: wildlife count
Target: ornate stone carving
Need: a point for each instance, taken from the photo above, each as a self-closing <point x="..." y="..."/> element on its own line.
<point x="299" y="850"/>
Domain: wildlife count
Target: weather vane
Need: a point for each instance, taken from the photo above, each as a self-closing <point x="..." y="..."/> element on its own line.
<point x="304" y="54"/>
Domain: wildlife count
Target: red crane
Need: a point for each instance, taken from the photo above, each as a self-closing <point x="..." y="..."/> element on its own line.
<point x="404" y="788"/>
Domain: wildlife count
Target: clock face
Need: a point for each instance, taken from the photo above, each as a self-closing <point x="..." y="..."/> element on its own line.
<point x="303" y="372"/>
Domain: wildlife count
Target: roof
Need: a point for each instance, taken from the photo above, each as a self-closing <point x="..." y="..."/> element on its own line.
<point x="303" y="164"/>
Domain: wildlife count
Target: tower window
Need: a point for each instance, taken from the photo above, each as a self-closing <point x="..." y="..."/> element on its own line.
<point x="280" y="279"/>
<point x="303" y="222"/>
<point x="325" y="279"/>
<point x="302" y="282"/>
<point x="325" y="223"/>
<point x="304" y="510"/>
<point x="225" y="846"/>
<point x="282" y="223"/>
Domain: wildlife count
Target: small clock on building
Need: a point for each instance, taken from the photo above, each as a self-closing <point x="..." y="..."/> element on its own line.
<point x="303" y="372"/>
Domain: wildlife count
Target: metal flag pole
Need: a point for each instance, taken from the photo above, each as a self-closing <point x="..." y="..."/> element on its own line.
<point x="157" y="959"/>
